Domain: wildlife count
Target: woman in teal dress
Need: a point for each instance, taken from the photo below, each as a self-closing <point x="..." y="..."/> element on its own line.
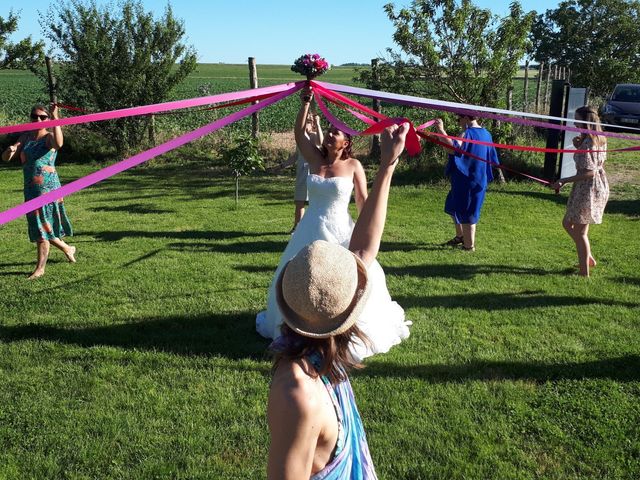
<point x="37" y="151"/>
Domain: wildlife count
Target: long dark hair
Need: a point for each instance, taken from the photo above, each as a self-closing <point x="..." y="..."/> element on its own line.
<point x="335" y="356"/>
<point x="346" y="152"/>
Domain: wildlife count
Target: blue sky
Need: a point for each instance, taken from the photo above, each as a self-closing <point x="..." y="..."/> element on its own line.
<point x="274" y="31"/>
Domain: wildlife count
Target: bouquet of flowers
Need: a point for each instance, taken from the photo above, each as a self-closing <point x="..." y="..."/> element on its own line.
<point x="311" y="65"/>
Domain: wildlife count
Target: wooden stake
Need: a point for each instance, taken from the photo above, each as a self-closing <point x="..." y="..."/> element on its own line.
<point x="253" y="82"/>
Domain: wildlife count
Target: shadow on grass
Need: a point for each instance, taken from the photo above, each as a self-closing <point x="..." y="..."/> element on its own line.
<point x="136" y="208"/>
<point x="621" y="369"/>
<point x="550" y="196"/>
<point x="628" y="281"/>
<point x="630" y="208"/>
<point x="409" y="247"/>
<point x="239" y="247"/>
<point x="114" y="236"/>
<point x="255" y="269"/>
<point x="231" y="336"/>
<point x="461" y="271"/>
<point x="491" y="301"/>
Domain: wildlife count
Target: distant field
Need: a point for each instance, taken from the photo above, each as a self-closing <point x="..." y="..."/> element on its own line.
<point x="20" y="89"/>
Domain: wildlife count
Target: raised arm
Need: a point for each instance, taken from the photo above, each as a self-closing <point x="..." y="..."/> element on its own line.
<point x="319" y="132"/>
<point x="440" y="129"/>
<point x="56" y="139"/>
<point x="365" y="240"/>
<point x="305" y="144"/>
<point x="360" y="183"/>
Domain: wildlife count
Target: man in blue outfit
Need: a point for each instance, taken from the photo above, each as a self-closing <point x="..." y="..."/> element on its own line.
<point x="469" y="176"/>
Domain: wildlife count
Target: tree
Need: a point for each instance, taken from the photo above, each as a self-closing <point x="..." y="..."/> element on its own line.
<point x="597" y="39"/>
<point x="23" y="54"/>
<point x="243" y="157"/>
<point x="453" y="50"/>
<point x="117" y="59"/>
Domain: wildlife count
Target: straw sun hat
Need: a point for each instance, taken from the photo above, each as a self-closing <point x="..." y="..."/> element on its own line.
<point x="322" y="290"/>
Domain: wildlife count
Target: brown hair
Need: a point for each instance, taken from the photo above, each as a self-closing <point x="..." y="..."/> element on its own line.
<point x="39" y="106"/>
<point x="469" y="116"/>
<point x="590" y="114"/>
<point x="335" y="356"/>
<point x="346" y="152"/>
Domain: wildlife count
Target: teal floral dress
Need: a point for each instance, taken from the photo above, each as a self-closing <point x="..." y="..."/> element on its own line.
<point x="38" y="166"/>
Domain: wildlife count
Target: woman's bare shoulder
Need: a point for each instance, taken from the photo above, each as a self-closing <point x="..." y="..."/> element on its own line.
<point x="295" y="385"/>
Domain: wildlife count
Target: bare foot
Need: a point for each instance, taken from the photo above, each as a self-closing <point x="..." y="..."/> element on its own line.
<point x="70" y="254"/>
<point x="592" y="262"/>
<point x="37" y="273"/>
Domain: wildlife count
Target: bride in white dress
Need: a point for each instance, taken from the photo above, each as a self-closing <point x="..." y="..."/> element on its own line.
<point x="333" y="174"/>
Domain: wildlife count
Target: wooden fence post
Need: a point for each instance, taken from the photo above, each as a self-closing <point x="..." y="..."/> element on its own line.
<point x="538" y="86"/>
<point x="52" y="81"/>
<point x="546" y="90"/>
<point x="253" y="82"/>
<point x="375" y="76"/>
<point x="525" y="100"/>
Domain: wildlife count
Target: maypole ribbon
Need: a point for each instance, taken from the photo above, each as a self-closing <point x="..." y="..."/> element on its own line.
<point x="462" y="108"/>
<point x="378" y="127"/>
<point x="412" y="143"/>
<point x="142" y="157"/>
<point x="150" y="109"/>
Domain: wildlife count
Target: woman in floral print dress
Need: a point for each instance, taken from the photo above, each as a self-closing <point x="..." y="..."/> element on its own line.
<point x="590" y="190"/>
<point x="37" y="151"/>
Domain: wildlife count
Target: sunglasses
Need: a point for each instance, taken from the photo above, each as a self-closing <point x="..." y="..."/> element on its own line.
<point x="41" y="117"/>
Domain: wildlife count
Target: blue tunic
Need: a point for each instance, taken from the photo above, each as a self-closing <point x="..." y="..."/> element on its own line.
<point x="469" y="177"/>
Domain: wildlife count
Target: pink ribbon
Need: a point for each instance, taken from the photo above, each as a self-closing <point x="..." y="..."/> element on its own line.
<point x="149" y="109"/>
<point x="461" y="108"/>
<point x="142" y="157"/>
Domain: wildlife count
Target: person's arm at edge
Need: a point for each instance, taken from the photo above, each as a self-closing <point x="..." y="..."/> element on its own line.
<point x="365" y="240"/>
<point x="13" y="150"/>
<point x="290" y="413"/>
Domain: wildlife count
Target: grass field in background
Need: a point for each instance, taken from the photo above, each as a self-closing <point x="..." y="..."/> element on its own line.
<point x="141" y="360"/>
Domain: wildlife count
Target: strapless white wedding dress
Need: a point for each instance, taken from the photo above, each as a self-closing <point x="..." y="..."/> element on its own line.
<point x="327" y="218"/>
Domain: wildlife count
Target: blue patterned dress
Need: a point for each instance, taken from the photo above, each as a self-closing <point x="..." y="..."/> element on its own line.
<point x="38" y="166"/>
<point x="351" y="457"/>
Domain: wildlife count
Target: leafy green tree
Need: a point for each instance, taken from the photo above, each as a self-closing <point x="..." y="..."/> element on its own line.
<point x="243" y="157"/>
<point x="23" y="54"/>
<point x="116" y="59"/>
<point x="454" y="50"/>
<point x="597" y="39"/>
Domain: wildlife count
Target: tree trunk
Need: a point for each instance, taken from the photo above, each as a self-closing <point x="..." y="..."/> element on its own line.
<point x="237" y="189"/>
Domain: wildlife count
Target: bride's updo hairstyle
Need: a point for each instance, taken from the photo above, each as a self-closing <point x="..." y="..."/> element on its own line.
<point x="346" y="152"/>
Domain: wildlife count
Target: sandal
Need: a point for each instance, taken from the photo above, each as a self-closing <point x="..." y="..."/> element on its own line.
<point x="455" y="241"/>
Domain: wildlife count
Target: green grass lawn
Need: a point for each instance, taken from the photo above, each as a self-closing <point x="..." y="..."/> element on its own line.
<point x="141" y="361"/>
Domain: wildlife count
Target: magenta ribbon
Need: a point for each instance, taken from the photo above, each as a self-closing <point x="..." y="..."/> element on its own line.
<point x="142" y="157"/>
<point x="149" y="109"/>
<point x="461" y="108"/>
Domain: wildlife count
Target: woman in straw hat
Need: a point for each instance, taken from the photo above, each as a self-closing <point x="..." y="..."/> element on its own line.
<point x="334" y="175"/>
<point x="316" y="430"/>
